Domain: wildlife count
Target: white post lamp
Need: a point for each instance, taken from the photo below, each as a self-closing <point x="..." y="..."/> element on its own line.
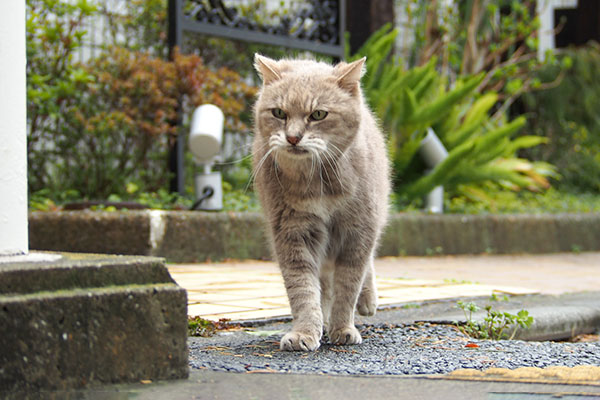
<point x="206" y="136"/>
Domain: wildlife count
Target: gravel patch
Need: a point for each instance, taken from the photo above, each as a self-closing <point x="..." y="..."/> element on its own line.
<point x="386" y="350"/>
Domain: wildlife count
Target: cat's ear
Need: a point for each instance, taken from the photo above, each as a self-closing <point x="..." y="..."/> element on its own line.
<point x="267" y="68"/>
<point x="349" y="75"/>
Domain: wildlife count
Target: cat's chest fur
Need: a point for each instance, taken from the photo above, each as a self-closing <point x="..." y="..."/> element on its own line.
<point x="324" y="207"/>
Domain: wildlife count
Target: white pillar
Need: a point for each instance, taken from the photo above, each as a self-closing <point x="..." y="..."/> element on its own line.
<point x="13" y="129"/>
<point x="545" y="11"/>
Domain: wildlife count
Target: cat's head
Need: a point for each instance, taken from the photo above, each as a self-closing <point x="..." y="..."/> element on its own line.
<point x="308" y="109"/>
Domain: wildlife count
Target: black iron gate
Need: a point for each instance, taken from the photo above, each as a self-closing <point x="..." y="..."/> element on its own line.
<point x="317" y="26"/>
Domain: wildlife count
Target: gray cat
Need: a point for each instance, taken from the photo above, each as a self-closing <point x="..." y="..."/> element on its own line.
<point x="322" y="176"/>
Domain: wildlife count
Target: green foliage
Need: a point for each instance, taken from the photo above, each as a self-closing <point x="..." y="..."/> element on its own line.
<point x="489" y="199"/>
<point x="140" y="25"/>
<point x="97" y="127"/>
<point x="481" y="149"/>
<point x="54" y="31"/>
<point x="496" y="37"/>
<point x="495" y="324"/>
<point x="567" y="115"/>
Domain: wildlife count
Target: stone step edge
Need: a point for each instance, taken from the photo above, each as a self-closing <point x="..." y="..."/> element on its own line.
<point x="85" y="271"/>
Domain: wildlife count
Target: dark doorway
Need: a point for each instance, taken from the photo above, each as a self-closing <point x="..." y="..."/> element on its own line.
<point x="581" y="24"/>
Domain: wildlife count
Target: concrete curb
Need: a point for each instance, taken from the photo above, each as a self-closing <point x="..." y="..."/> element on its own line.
<point x="187" y="236"/>
<point x="90" y="319"/>
<point x="550" y="323"/>
<point x="562" y="322"/>
<point x="555" y="317"/>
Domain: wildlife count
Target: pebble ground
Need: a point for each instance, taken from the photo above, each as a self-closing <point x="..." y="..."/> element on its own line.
<point x="386" y="350"/>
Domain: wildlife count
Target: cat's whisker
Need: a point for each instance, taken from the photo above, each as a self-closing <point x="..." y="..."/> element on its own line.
<point x="234" y="161"/>
<point x="312" y="168"/>
<point x="258" y="167"/>
<point x="321" y="166"/>
<point x="327" y="173"/>
<point x="342" y="154"/>
<point x="333" y="166"/>
<point x="277" y="170"/>
<point x="243" y="158"/>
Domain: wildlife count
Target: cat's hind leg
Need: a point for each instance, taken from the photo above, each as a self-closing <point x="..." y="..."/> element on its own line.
<point x="367" y="300"/>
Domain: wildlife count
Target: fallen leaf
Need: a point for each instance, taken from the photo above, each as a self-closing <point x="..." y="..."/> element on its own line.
<point x="262" y="371"/>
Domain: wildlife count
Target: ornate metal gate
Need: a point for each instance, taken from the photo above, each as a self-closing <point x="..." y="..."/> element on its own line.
<point x="317" y="26"/>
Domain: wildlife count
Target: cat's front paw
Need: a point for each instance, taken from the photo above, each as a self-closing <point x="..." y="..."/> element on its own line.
<point x="298" y="341"/>
<point x="345" y="335"/>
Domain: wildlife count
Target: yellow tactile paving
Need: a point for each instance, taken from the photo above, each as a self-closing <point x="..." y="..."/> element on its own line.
<point x="580" y="375"/>
<point x="255" y="290"/>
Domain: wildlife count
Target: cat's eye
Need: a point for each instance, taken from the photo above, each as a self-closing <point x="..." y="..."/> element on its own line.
<point x="318" y="115"/>
<point x="279" y="113"/>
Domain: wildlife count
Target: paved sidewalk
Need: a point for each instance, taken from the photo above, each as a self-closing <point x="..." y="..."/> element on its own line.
<point x="254" y="289"/>
<point x="207" y="384"/>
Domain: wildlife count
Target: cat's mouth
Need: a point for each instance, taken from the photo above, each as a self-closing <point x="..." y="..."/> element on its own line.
<point x="296" y="150"/>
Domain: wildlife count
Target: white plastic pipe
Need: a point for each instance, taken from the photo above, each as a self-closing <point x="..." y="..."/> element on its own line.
<point x="433" y="152"/>
<point x="206" y="133"/>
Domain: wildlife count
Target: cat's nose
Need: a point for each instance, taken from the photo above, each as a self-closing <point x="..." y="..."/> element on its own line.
<point x="293" y="140"/>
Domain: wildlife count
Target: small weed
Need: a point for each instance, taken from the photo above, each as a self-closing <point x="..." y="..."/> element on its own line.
<point x="410" y="305"/>
<point x="494" y="297"/>
<point x="495" y="324"/>
<point x="198" y="326"/>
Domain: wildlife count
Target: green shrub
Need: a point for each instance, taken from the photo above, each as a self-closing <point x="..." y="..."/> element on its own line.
<point x="98" y="127"/>
<point x="568" y="116"/>
<point x="495" y="37"/>
<point x="493" y="200"/>
<point x="480" y="148"/>
<point x="54" y="31"/>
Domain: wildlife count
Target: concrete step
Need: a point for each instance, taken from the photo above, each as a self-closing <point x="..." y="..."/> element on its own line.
<point x="191" y="236"/>
<point x="90" y="319"/>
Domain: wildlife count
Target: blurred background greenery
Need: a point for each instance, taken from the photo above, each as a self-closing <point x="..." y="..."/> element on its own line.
<point x="523" y="135"/>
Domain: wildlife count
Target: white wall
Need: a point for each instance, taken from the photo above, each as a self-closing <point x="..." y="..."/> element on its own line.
<point x="13" y="134"/>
